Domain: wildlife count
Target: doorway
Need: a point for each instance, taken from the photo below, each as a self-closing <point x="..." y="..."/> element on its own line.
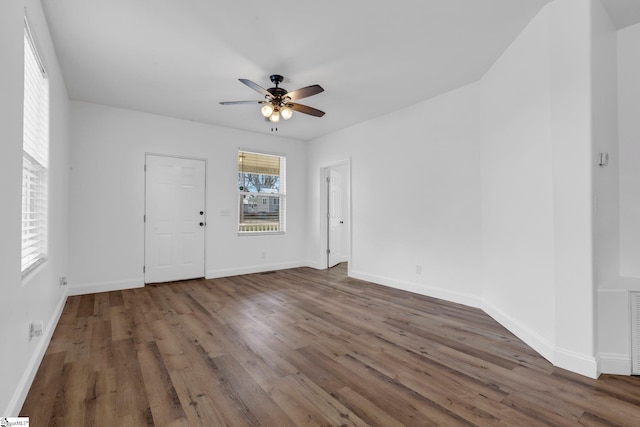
<point x="337" y="226"/>
<point x="175" y="219"/>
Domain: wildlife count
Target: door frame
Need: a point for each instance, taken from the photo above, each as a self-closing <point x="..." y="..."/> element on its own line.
<point x="324" y="206"/>
<point x="144" y="234"/>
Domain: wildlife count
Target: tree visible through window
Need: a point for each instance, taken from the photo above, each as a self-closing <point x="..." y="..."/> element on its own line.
<point x="261" y="193"/>
<point x="35" y="157"/>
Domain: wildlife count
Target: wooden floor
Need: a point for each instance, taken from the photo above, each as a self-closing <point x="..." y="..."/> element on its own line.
<point x="303" y="347"/>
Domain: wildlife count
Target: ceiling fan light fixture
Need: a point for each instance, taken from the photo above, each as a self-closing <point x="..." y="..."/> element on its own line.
<point x="286" y="112"/>
<point x="275" y="116"/>
<point x="267" y="110"/>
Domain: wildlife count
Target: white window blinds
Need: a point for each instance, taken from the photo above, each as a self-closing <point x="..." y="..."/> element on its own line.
<point x="35" y="156"/>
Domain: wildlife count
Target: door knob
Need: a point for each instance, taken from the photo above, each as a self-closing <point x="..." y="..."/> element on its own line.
<point x="202" y="224"/>
<point x="201" y="212"/>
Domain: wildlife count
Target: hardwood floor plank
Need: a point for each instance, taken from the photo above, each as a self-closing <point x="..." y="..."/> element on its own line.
<point x="87" y="306"/>
<point x="428" y="406"/>
<point x="254" y="400"/>
<point x="132" y="402"/>
<point x="390" y="400"/>
<point x="540" y="413"/>
<point x="417" y="379"/>
<point x="591" y="420"/>
<point x="297" y="407"/>
<point x="79" y="346"/>
<point x="200" y="401"/>
<point x="303" y="347"/>
<point x="365" y="409"/>
<point x="315" y="403"/>
<point x="121" y="323"/>
<point x="265" y="365"/>
<point x="115" y="298"/>
<point x="101" y="403"/>
<point x="163" y="399"/>
<point x="60" y="339"/>
<point x="48" y="385"/>
<point x="101" y="306"/>
<point x="101" y="349"/>
<point x="76" y="378"/>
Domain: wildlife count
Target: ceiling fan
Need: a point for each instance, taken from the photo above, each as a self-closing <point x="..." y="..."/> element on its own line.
<point x="278" y="103"/>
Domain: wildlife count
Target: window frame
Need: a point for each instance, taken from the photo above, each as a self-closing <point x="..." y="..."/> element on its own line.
<point x="35" y="157"/>
<point x="245" y="229"/>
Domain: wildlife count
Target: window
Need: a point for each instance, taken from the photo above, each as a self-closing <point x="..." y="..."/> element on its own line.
<point x="35" y="157"/>
<point x="261" y="193"/>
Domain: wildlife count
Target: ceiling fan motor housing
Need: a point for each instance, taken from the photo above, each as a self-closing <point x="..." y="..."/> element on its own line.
<point x="276" y="79"/>
<point x="277" y="92"/>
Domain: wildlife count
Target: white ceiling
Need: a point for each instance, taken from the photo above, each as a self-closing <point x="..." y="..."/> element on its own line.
<point x="181" y="58"/>
<point x="623" y="12"/>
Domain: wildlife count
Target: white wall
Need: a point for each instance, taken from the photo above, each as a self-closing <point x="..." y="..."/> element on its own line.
<point x="38" y="296"/>
<point x="612" y="314"/>
<point x="571" y="106"/>
<point x="629" y="112"/>
<point x="604" y="123"/>
<point x="614" y="321"/>
<point x="415" y="187"/>
<point x="517" y="188"/>
<point x="536" y="186"/>
<point x="107" y="195"/>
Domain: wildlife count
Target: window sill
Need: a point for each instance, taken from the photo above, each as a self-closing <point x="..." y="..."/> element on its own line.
<point x="261" y="233"/>
<point x="33" y="271"/>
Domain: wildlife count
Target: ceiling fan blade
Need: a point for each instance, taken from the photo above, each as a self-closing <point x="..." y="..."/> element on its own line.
<point x="306" y="109"/>
<point x="256" y="87"/>
<point x="241" y="102"/>
<point x="304" y="92"/>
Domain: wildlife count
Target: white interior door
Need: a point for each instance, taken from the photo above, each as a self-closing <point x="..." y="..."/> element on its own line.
<point x="336" y="216"/>
<point x="174" y="218"/>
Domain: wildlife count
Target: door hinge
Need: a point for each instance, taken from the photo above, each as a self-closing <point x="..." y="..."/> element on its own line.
<point x="144" y="218"/>
<point x="145" y="167"/>
<point x="328" y="251"/>
<point x="144" y="269"/>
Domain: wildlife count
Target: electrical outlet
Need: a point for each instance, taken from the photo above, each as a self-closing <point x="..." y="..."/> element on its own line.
<point x="263" y="255"/>
<point x="418" y="269"/>
<point x="35" y="329"/>
<point x="63" y="281"/>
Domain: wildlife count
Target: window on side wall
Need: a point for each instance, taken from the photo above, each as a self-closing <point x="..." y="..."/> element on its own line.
<point x="35" y="156"/>
<point x="261" y="193"/>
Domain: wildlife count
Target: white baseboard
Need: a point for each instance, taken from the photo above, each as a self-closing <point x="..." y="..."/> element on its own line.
<point x="227" y="272"/>
<point x="615" y="364"/>
<point x="419" y="288"/>
<point x="576" y="362"/>
<point x="317" y="266"/>
<point x="116" y="285"/>
<point x="13" y="409"/>
<point x="534" y="340"/>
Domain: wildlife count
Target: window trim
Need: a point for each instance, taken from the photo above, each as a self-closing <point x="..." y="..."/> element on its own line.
<point x="281" y="195"/>
<point x="35" y="155"/>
